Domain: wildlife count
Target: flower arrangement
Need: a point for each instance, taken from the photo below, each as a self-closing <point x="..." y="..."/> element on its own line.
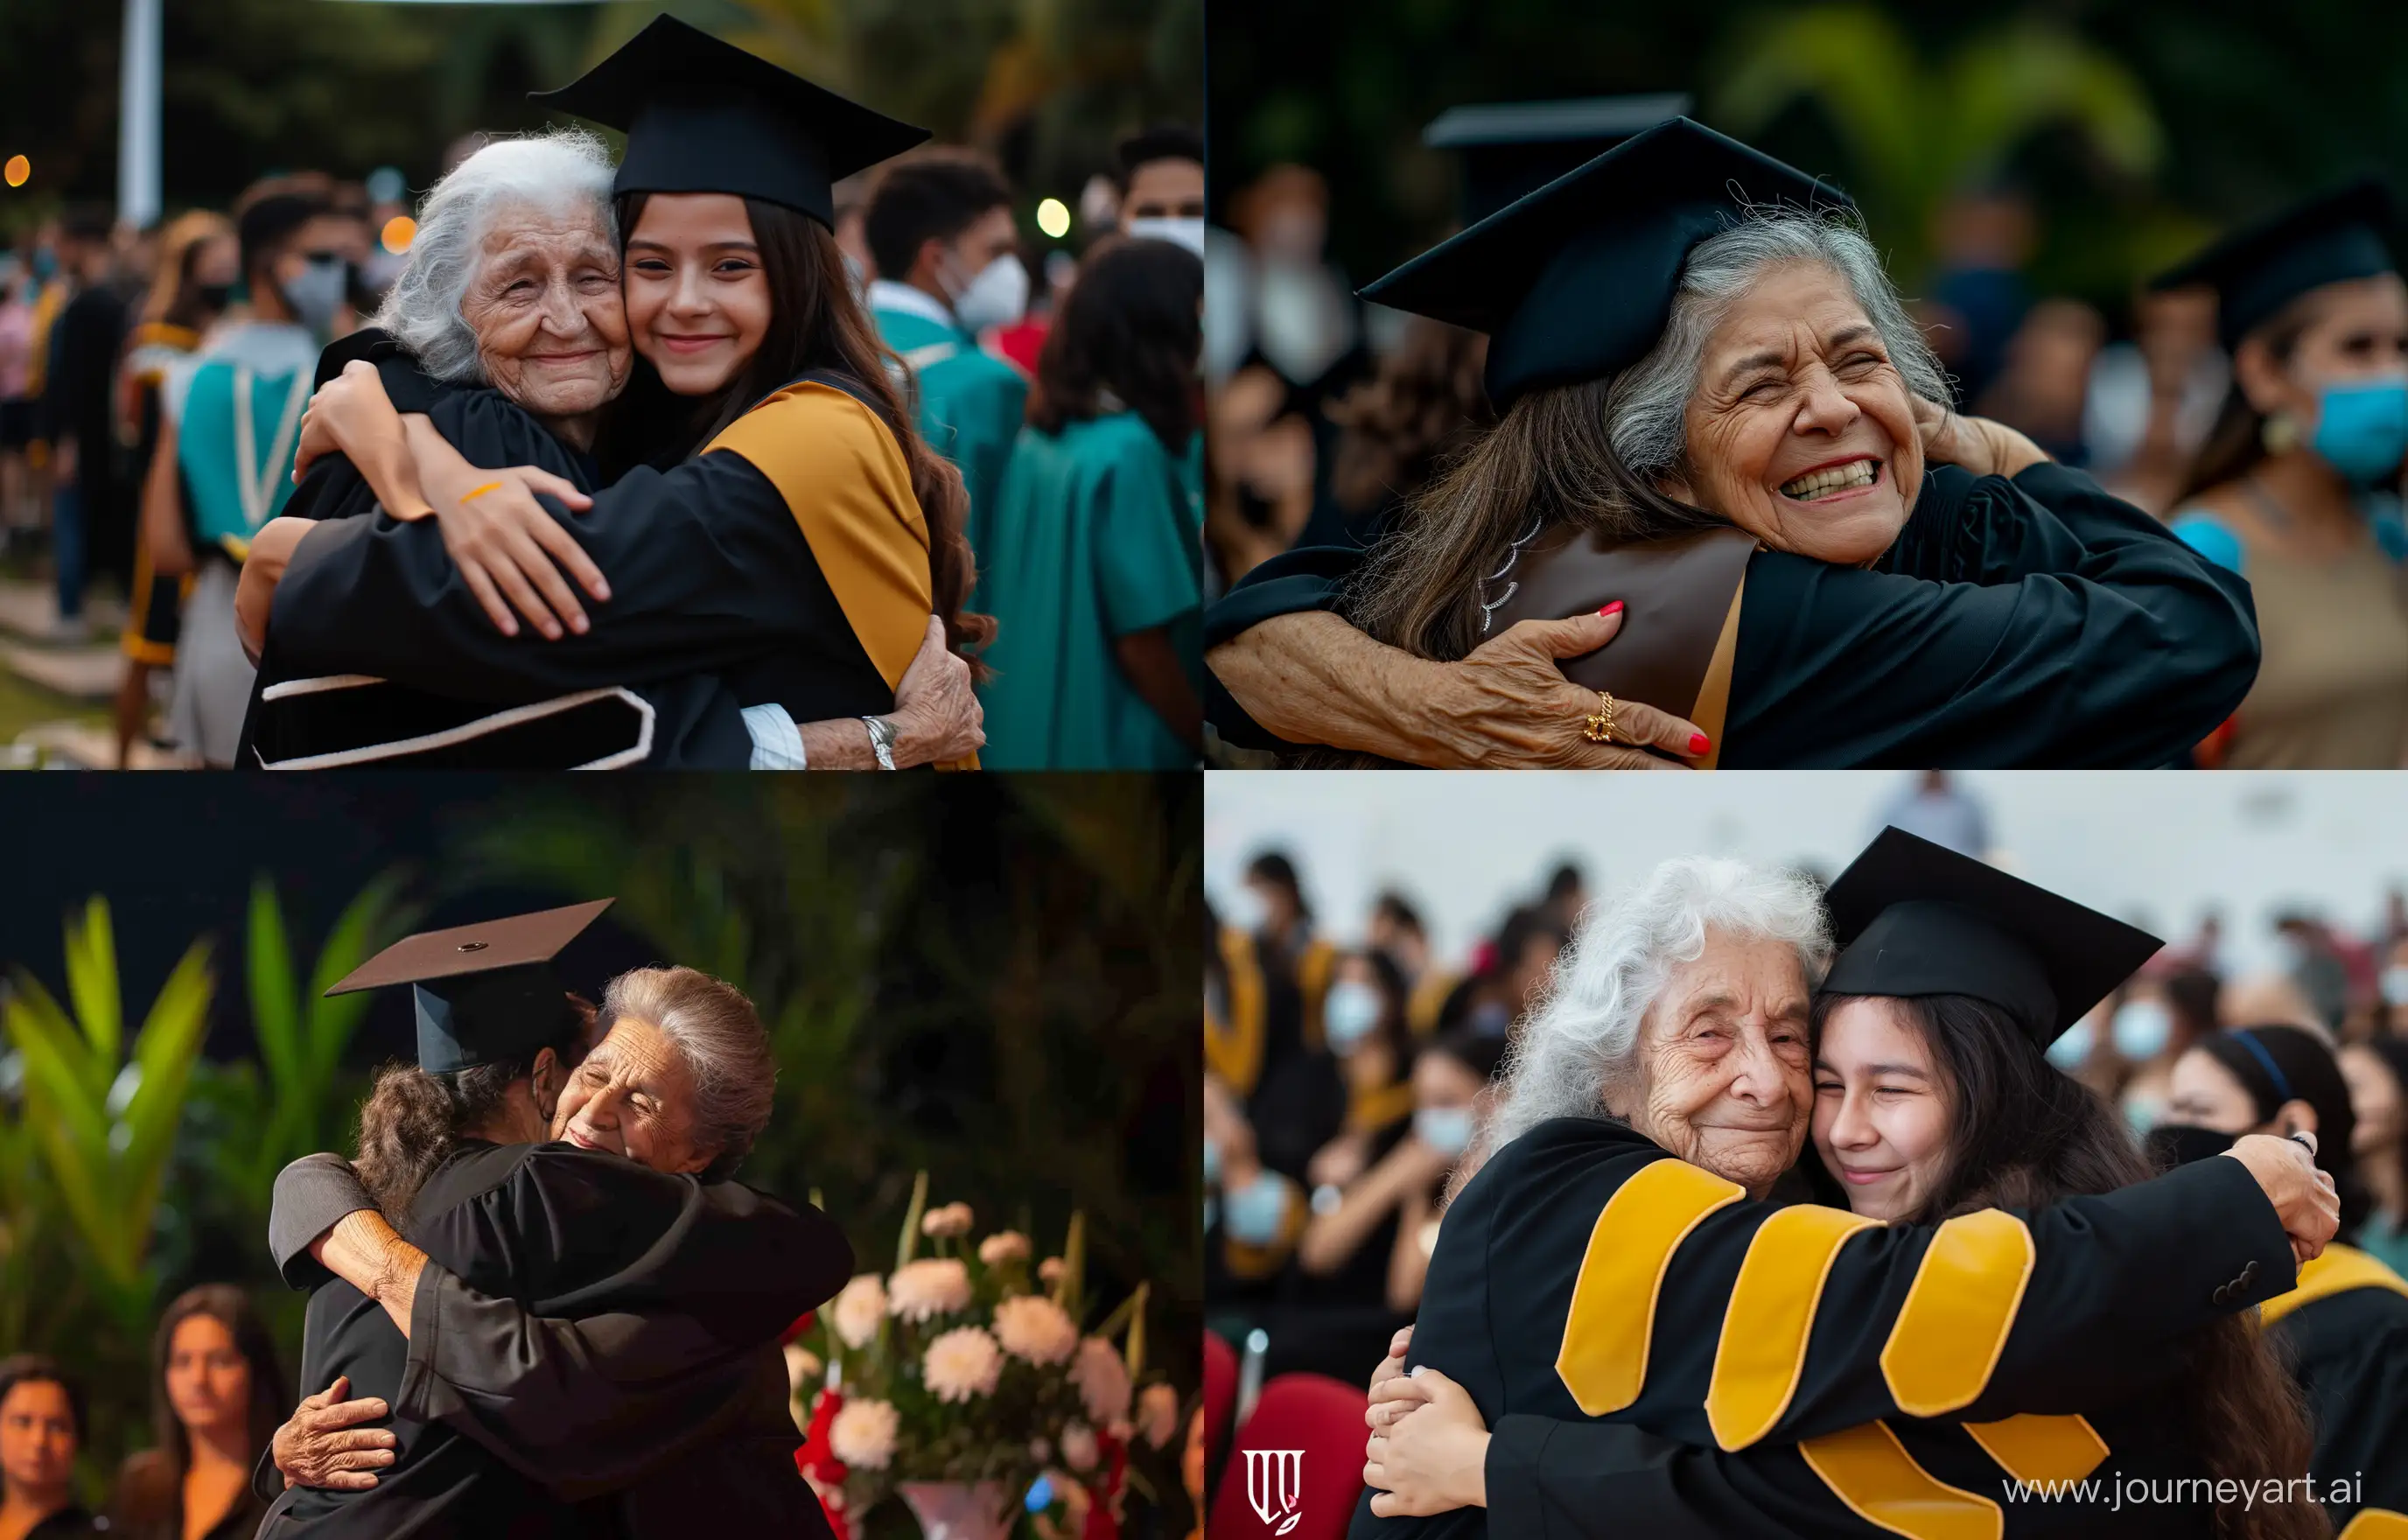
<point x="967" y="1367"/>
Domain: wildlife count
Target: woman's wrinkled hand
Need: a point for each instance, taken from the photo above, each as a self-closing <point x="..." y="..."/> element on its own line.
<point x="322" y="1445"/>
<point x="936" y="716"/>
<point x="510" y="551"/>
<point x="1976" y="444"/>
<point x="1434" y="1456"/>
<point x="1507" y="706"/>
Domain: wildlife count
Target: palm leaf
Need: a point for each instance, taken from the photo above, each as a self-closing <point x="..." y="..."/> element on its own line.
<point x="92" y="985"/>
<point x="275" y="1006"/>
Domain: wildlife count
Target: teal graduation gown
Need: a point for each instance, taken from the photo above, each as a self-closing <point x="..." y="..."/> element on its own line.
<point x="971" y="404"/>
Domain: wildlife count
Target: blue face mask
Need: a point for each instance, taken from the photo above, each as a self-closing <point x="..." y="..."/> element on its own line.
<point x="46" y="262"/>
<point x="1253" y="1214"/>
<point x="1211" y="1162"/>
<point x="1445" y="1129"/>
<point x="1349" y="1014"/>
<point x="2141" y="1028"/>
<point x="2362" y="427"/>
<point x="2068" y="1052"/>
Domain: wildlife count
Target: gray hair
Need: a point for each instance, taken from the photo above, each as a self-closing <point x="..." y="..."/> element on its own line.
<point x="1584" y="1036"/>
<point x="553" y="170"/>
<point x="1648" y="407"/>
<point x="719" y="1034"/>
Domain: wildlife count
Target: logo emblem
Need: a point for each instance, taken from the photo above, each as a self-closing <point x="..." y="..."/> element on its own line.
<point x="1275" y="1486"/>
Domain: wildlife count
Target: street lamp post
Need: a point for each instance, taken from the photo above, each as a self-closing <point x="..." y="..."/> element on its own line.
<point x="138" y="117"/>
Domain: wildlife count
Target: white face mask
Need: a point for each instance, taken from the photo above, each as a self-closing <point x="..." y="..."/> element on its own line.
<point x="997" y="296"/>
<point x="1181" y="232"/>
<point x="2395" y="984"/>
<point x="1349" y="1014"/>
<point x="2140" y="1028"/>
<point x="314" y="293"/>
<point x="1245" y="910"/>
<point x="1445" y="1129"/>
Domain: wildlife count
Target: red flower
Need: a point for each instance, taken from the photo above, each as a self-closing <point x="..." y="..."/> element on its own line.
<point x="802" y="1324"/>
<point x="819" y="1464"/>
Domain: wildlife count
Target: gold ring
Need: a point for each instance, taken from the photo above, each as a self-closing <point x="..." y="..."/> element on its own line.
<point x="1599" y="729"/>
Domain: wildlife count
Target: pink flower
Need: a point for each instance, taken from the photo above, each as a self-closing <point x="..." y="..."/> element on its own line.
<point x="864" y="1434"/>
<point x="952" y="1220"/>
<point x="1034" y="1328"/>
<point x="962" y="1364"/>
<point x="1050" y="1269"/>
<point x="1157" y="1410"/>
<point x="1004" y="1245"/>
<point x="1102" y="1379"/>
<point x="924" y="1290"/>
<point x="858" y="1310"/>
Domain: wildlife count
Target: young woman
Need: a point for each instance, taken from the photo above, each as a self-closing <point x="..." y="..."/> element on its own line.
<point x="802" y="564"/>
<point x="1097" y="553"/>
<point x="2377" y="1072"/>
<point x="216" y="1397"/>
<point x="41" y="1427"/>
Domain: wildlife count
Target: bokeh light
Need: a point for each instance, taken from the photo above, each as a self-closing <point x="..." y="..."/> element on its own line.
<point x="17" y="170"/>
<point x="399" y="231"/>
<point x="1054" y="218"/>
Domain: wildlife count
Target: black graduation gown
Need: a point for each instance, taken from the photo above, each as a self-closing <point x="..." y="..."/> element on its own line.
<point x="717" y="603"/>
<point x="2025" y="621"/>
<point x="587" y="1331"/>
<point x="2349" y="1352"/>
<point x="1805" y="1326"/>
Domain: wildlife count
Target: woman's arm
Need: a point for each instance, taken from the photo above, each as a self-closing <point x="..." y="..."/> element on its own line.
<point x="255" y="594"/>
<point x="1151" y="665"/>
<point x="1329" y="1239"/>
<point x="163" y="535"/>
<point x="351" y="415"/>
<point x="1409" y="1258"/>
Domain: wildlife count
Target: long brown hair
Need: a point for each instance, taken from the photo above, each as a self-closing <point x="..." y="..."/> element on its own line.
<point x="1417" y="414"/>
<point x="1129" y="329"/>
<point x="1550" y="459"/>
<point x="414" y="1118"/>
<point x="2238" y="439"/>
<point x="231" y="1308"/>
<point x="816" y="323"/>
<point x="2024" y="1135"/>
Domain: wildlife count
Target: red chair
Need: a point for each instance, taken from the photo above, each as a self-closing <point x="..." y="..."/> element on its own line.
<point x="1319" y="1418"/>
<point x="1220" y="1396"/>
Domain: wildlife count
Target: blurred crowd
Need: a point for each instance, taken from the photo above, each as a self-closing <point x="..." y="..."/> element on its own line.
<point x="217" y="1397"/>
<point x="1014" y="357"/>
<point x="1346" y="1063"/>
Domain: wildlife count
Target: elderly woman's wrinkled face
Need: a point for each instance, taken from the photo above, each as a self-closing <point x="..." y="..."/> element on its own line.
<point x="1881" y="1109"/>
<point x="1802" y="430"/>
<point x="633" y="1096"/>
<point x="1723" y="1079"/>
<point x="550" y="323"/>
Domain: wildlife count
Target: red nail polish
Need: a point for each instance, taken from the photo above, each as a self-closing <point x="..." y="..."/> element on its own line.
<point x="1699" y="742"/>
<point x="1611" y="608"/>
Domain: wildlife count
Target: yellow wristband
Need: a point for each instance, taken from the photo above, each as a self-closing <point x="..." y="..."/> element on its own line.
<point x="489" y="486"/>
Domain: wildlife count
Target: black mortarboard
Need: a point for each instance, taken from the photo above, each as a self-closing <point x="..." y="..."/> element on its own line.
<point x="1916" y="918"/>
<point x="1576" y="280"/>
<point x="703" y="116"/>
<point x="485" y="992"/>
<point x="2261" y="267"/>
<point x="1509" y="150"/>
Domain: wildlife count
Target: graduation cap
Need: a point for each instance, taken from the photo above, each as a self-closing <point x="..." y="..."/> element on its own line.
<point x="1916" y="918"/>
<point x="2261" y="269"/>
<point x="703" y="116"/>
<point x="1508" y="150"/>
<point x="485" y="992"/>
<point x="1576" y="280"/>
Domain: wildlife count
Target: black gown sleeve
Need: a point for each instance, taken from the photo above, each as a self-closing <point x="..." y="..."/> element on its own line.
<point x="2350" y="1354"/>
<point x="707" y="568"/>
<point x="1778" y="1324"/>
<point x="2035" y="621"/>
<point x="1309" y="577"/>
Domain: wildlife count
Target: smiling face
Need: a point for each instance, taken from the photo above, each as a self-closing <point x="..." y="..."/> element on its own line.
<point x="1802" y="430"/>
<point x="551" y="328"/>
<point x="633" y="1096"/>
<point x="209" y="1380"/>
<point x="697" y="296"/>
<point x="1881" y="1109"/>
<point x="1722" y="1079"/>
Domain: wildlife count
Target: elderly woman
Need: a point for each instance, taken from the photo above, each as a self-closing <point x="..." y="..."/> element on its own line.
<point x="580" y="1333"/>
<point x="1718" y="448"/>
<point x="507" y="331"/>
<point x="1615" y="1257"/>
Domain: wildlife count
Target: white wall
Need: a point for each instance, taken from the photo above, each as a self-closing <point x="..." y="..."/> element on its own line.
<point x="2160" y="848"/>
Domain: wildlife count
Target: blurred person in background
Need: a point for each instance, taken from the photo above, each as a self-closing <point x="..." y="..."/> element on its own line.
<point x="77" y="413"/>
<point x="230" y="419"/>
<point x="2320" y="961"/>
<point x="17" y="404"/>
<point x="1422" y="408"/>
<point x="1936" y="808"/>
<point x="2377" y="1075"/>
<point x="1744" y="481"/>
<point x="1161" y="185"/>
<point x="41" y="1428"/>
<point x="1373" y="1244"/>
<point x="1253" y="1214"/>
<point x="2345" y="1329"/>
<point x="217" y="1397"/>
<point x="1370" y="1051"/>
<point x="2159" y="1020"/>
<point x="2392" y="988"/>
<point x="1397" y="933"/>
<point x="1509" y="979"/>
<point x="2150" y="402"/>
<point x="1982" y="238"/>
<point x="1566" y="894"/>
<point x="2297" y="487"/>
<point x="851" y="195"/>
<point x="199" y="262"/>
<point x="2046" y="379"/>
<point x="938" y="224"/>
<point x="1091" y="563"/>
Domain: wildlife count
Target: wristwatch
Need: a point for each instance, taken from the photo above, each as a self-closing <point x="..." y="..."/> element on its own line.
<point x="882" y="739"/>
